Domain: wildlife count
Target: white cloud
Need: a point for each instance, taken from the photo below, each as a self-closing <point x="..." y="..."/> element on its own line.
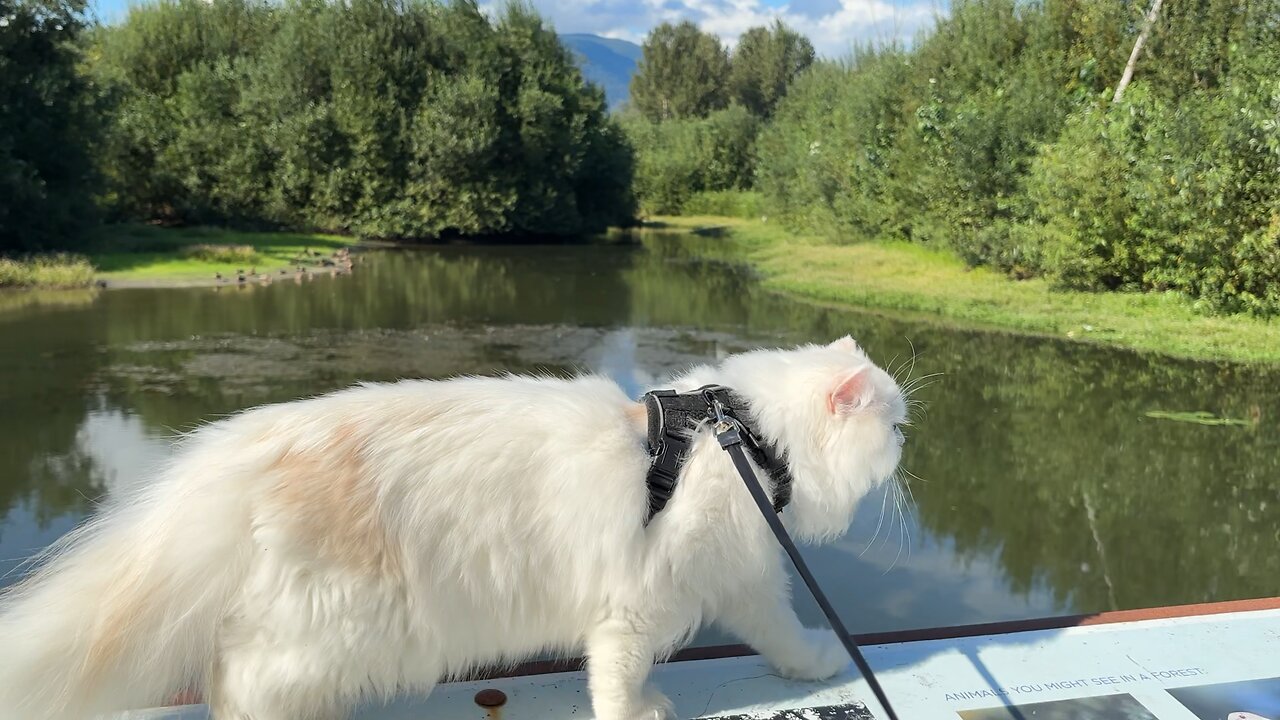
<point x="834" y="26"/>
<point x="835" y="32"/>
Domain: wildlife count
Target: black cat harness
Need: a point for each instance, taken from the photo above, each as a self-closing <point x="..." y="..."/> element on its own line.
<point x="674" y="419"/>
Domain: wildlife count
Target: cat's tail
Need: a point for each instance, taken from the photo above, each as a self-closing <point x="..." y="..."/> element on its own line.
<point x="124" y="610"/>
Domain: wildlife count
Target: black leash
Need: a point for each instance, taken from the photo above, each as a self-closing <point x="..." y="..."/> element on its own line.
<point x="729" y="433"/>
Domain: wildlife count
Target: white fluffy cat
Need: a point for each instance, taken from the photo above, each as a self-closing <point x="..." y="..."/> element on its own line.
<point x="296" y="558"/>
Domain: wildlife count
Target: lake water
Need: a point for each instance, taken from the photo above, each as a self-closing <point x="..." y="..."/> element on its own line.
<point x="1044" y="488"/>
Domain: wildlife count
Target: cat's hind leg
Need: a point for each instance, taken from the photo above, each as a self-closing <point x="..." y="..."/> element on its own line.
<point x="291" y="662"/>
<point x="261" y="682"/>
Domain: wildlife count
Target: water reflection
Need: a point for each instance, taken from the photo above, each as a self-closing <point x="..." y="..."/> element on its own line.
<point x="1045" y="488"/>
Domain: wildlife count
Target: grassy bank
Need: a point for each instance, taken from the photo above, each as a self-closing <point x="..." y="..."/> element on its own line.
<point x="139" y="253"/>
<point x="46" y="271"/>
<point x="917" y="280"/>
<point x="146" y="255"/>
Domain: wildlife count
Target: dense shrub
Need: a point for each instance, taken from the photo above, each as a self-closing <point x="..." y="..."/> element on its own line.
<point x="1176" y="187"/>
<point x="385" y="119"/>
<point x="1153" y="195"/>
<point x="678" y="159"/>
<point x="996" y="136"/>
<point x="825" y="161"/>
<point x="746" y="204"/>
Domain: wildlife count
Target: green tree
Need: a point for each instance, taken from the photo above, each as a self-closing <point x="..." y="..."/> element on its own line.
<point x="47" y="126"/>
<point x="764" y="64"/>
<point x="696" y="118"/>
<point x="173" y="74"/>
<point x="996" y="135"/>
<point x="682" y="73"/>
<point x="379" y="117"/>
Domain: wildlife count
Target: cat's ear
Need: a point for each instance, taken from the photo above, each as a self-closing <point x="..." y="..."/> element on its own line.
<point x="846" y="344"/>
<point x="851" y="394"/>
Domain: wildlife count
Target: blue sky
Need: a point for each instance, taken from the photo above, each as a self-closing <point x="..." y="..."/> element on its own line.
<point x="833" y="25"/>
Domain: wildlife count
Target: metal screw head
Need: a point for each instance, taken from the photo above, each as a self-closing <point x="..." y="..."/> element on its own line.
<point x="491" y="698"/>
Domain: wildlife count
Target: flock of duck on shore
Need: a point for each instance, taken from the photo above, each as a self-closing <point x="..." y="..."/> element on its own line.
<point x="307" y="263"/>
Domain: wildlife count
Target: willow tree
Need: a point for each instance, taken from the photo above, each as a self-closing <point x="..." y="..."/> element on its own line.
<point x="764" y="64"/>
<point x="683" y="73"/>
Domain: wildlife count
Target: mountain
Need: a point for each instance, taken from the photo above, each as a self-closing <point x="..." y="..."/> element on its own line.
<point x="607" y="62"/>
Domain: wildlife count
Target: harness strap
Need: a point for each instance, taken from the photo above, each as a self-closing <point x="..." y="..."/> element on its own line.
<point x="673" y="419"/>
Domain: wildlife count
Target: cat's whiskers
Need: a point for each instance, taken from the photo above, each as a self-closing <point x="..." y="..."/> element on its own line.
<point x="892" y="369"/>
<point x="919" y="386"/>
<point x="917" y="477"/>
<point x="884" y="499"/>
<point x="914" y="355"/>
<point x="908" y="503"/>
<point x="905" y="500"/>
<point x="916" y="406"/>
<point x="911" y="385"/>
<point x="904" y="534"/>
<point x="908" y="364"/>
<point x="914" y="384"/>
<point x="903" y="497"/>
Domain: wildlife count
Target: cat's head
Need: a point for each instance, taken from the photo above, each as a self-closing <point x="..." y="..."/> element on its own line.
<point x="837" y="416"/>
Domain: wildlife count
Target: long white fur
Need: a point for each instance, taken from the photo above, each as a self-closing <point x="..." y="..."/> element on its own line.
<point x="506" y="517"/>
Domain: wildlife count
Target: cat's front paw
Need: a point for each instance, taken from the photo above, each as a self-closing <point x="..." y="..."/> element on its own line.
<point x="656" y="706"/>
<point x="824" y="658"/>
<point x="649" y="705"/>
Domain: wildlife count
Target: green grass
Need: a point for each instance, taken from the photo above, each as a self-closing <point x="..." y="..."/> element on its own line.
<point x="743" y="204"/>
<point x="145" y="253"/>
<point x="913" y="279"/>
<point x="46" y="272"/>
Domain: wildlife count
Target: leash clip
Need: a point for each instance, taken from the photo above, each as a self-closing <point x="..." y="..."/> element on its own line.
<point x="726" y="426"/>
